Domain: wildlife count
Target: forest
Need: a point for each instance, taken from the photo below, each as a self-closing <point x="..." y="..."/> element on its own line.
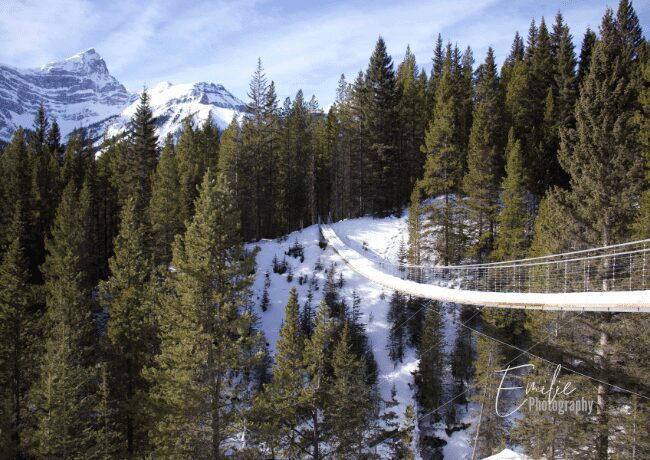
<point x="128" y="328"/>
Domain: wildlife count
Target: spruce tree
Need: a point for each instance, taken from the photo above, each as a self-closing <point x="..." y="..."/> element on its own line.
<point x="444" y="164"/>
<point x="602" y="156"/>
<point x="397" y="318"/>
<point x="187" y="167"/>
<point x="317" y="359"/>
<point x="429" y="352"/>
<point x="351" y="407"/>
<point x="62" y="397"/>
<point x="19" y="339"/>
<point x="381" y="120"/>
<point x="411" y="114"/>
<point x="131" y="328"/>
<point x="15" y="186"/>
<point x="278" y="404"/>
<point x="588" y="43"/>
<point x="200" y="373"/>
<point x="485" y="163"/>
<point x="489" y="432"/>
<point x="512" y="236"/>
<point x="229" y="157"/>
<point x="142" y="153"/>
<point x="164" y="210"/>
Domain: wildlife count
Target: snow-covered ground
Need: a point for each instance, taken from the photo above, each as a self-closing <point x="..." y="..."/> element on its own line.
<point x="379" y="238"/>
<point x="375" y="299"/>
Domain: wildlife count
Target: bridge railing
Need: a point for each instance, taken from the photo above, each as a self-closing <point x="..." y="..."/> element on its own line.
<point x="621" y="267"/>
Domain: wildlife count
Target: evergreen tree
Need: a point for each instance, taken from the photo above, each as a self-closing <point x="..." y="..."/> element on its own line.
<point x="398" y="327"/>
<point x="411" y="113"/>
<point x="44" y="193"/>
<point x="131" y="328"/>
<point x="229" y="157"/>
<point x="443" y="167"/>
<point x="602" y="156"/>
<point x="19" y="339"/>
<point x="317" y="359"/>
<point x="489" y="432"/>
<point x="63" y="395"/>
<point x="512" y="236"/>
<point x="142" y="153"/>
<point x="188" y="169"/>
<point x="588" y="43"/>
<point x="351" y="407"/>
<point x="485" y="164"/>
<point x="427" y="377"/>
<point x="165" y="208"/>
<point x="380" y="118"/>
<point x="278" y="404"/>
<point x="201" y="369"/>
<point x="15" y="186"/>
<point x="107" y="439"/>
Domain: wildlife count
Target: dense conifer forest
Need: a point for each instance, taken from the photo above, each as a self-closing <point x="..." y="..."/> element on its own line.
<point x="128" y="328"/>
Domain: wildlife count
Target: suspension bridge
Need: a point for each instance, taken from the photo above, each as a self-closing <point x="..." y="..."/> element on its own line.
<point x="613" y="278"/>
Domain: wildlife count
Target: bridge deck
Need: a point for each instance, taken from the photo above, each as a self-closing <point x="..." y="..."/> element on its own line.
<point x="614" y="301"/>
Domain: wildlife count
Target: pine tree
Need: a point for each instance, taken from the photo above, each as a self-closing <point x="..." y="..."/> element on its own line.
<point x="512" y="237"/>
<point x="131" y="328"/>
<point x="444" y="163"/>
<point x="15" y="186"/>
<point x="397" y="319"/>
<point x="588" y="43"/>
<point x="351" y="405"/>
<point x="44" y="193"/>
<point x="489" y="432"/>
<point x="142" y="153"/>
<point x="201" y="371"/>
<point x="380" y="119"/>
<point x="411" y="113"/>
<point x="427" y="378"/>
<point x="229" y="157"/>
<point x="63" y="395"/>
<point x="187" y="167"/>
<point x="485" y="164"/>
<point x="279" y="403"/>
<point x="19" y="339"/>
<point x="164" y="210"/>
<point x="107" y="439"/>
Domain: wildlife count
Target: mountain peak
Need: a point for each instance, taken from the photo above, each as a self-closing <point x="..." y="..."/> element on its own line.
<point x="85" y="62"/>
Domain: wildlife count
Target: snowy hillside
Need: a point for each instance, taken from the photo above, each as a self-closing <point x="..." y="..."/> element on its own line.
<point x="172" y="103"/>
<point x="381" y="238"/>
<point x="81" y="92"/>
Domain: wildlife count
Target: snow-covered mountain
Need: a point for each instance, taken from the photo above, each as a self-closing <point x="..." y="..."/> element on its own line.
<point x="80" y="92"/>
<point x="172" y="103"/>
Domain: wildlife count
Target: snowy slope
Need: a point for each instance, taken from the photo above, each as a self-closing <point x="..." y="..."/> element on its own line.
<point x="80" y="92"/>
<point x="381" y="237"/>
<point x="374" y="308"/>
<point x="172" y="103"/>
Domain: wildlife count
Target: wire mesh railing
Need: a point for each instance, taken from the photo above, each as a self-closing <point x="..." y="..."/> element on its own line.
<point x="620" y="267"/>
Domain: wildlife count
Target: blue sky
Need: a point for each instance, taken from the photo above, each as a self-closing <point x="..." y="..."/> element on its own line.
<point x="302" y="44"/>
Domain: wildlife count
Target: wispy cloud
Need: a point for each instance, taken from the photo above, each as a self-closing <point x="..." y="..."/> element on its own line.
<point x="302" y="44"/>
